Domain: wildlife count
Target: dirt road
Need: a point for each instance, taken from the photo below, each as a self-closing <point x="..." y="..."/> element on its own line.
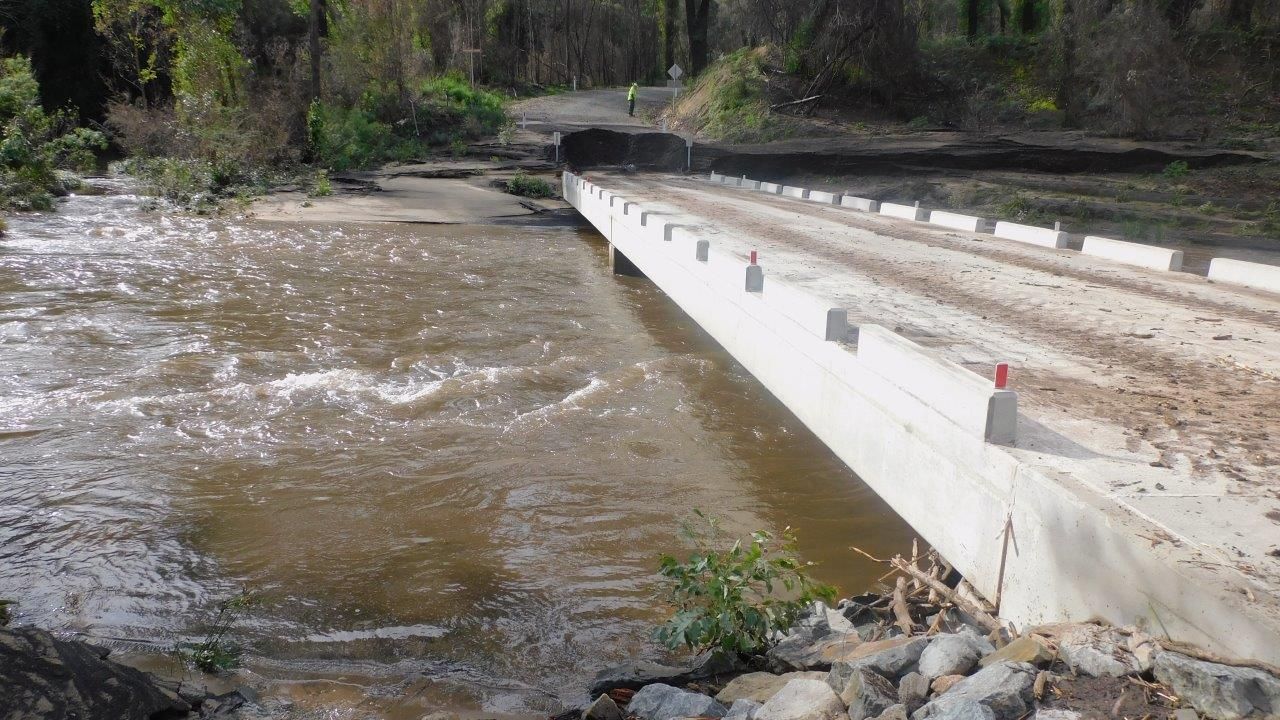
<point x="605" y="108"/>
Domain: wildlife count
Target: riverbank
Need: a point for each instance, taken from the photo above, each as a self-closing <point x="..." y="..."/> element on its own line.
<point x="922" y="646"/>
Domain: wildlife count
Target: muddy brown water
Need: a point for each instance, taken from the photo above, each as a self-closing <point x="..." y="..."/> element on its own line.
<point x="445" y="458"/>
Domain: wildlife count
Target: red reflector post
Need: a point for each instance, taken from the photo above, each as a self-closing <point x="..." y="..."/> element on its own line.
<point x="1002" y="375"/>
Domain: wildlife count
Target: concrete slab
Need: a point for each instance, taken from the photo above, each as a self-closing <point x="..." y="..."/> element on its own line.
<point x="906" y="212"/>
<point x="858" y="203"/>
<point x="960" y="395"/>
<point x="1148" y="256"/>
<point x="795" y="192"/>
<point x="1030" y="234"/>
<point x="825" y="198"/>
<point x="956" y="221"/>
<point x="1239" y="272"/>
<point x="771" y="188"/>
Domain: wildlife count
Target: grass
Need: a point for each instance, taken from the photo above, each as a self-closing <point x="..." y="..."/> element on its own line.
<point x="729" y="101"/>
<point x="217" y="653"/>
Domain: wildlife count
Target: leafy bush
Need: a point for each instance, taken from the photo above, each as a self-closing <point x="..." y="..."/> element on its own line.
<point x="382" y="126"/>
<point x="729" y="599"/>
<point x="1176" y="170"/>
<point x="527" y="186"/>
<point x="320" y="186"/>
<point x="36" y="146"/>
<point x="197" y="185"/>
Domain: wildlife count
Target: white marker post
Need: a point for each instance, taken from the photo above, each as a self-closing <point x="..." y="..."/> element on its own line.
<point x="555" y="138"/>
<point x="688" y="149"/>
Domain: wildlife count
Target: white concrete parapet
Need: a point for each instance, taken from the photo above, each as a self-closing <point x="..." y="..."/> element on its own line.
<point x="1031" y="234"/>
<point x="1239" y="272"/>
<point x="749" y="184"/>
<point x="771" y="188"/>
<point x="819" y="316"/>
<point x="956" y="221"/>
<point x="907" y="212"/>
<point x="795" y="192"/>
<point x="825" y="198"/>
<point x="858" y="203"/>
<point x="1148" y="256"/>
<point x="716" y="177"/>
<point x="967" y="399"/>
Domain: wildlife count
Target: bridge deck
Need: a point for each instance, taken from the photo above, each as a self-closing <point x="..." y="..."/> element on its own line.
<point x="1162" y="390"/>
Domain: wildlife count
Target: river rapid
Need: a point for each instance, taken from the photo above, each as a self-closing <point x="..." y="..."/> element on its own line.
<point x="445" y="458"/>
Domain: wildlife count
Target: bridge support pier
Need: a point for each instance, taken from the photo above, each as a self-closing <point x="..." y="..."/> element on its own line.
<point x="621" y="264"/>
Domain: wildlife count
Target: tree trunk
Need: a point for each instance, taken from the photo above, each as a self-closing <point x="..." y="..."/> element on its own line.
<point x="973" y="18"/>
<point x="668" y="34"/>
<point x="1027" y="16"/>
<point x="313" y="38"/>
<point x="697" y="15"/>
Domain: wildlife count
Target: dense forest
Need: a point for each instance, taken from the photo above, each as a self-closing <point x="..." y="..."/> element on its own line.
<point x="243" y="84"/>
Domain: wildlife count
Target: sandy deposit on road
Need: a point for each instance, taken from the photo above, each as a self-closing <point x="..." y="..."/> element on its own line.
<point x="1161" y="388"/>
<point x="408" y="194"/>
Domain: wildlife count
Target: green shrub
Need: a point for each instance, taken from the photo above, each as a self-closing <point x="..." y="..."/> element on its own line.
<point x="527" y="186"/>
<point x="730" y="599"/>
<point x="320" y="185"/>
<point x="1176" y="170"/>
<point x="35" y="146"/>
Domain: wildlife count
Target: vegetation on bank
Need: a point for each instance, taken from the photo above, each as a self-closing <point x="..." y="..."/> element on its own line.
<point x="38" y="150"/>
<point x="531" y="187"/>
<point x="736" y="599"/>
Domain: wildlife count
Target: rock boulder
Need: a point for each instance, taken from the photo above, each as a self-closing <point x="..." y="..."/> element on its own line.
<point x="44" y="677"/>
<point x="802" y="699"/>
<point x="664" y="702"/>
<point x="1005" y="689"/>
<point x="1222" y="692"/>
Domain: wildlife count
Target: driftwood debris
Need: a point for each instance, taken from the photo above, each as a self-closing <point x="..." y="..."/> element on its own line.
<point x="793" y="103"/>
<point x="920" y="590"/>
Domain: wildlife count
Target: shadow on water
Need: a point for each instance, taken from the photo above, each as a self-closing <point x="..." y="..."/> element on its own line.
<point x="796" y="480"/>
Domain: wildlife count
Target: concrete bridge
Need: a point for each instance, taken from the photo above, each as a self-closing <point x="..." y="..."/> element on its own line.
<point x="1083" y="433"/>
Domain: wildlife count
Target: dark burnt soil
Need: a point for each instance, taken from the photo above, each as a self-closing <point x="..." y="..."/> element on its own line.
<point x="1108" y="697"/>
<point x="1042" y="152"/>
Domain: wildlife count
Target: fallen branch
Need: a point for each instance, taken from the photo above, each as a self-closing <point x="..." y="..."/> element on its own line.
<point x="979" y="614"/>
<point x="795" y="102"/>
<point x="900" y="610"/>
<point x="1195" y="652"/>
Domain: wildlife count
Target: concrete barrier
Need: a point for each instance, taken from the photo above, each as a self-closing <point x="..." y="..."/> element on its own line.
<point x="907" y="212"/>
<point x="857" y="203"/>
<point x="716" y="177"/>
<point x="1031" y="234"/>
<point x="749" y="184"/>
<point x="771" y="188"/>
<point x="795" y="192"/>
<point x="825" y="198"/>
<point x="956" y="221"/>
<point x="1239" y="272"/>
<point x="819" y="316"/>
<point x="967" y="399"/>
<point x="1148" y="256"/>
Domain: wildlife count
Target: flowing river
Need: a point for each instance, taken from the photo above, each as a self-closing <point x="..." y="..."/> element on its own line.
<point x="444" y="458"/>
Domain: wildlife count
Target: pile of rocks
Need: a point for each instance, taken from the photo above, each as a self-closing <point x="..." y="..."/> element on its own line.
<point x="830" y="666"/>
